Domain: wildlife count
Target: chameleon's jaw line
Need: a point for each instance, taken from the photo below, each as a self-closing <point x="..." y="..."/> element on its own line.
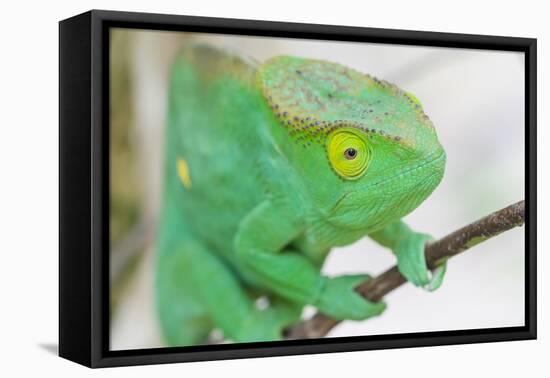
<point x="422" y="165"/>
<point x="434" y="176"/>
<point x="434" y="161"/>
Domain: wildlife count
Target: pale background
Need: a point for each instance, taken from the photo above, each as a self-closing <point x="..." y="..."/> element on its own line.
<point x="476" y="101"/>
<point x="29" y="161"/>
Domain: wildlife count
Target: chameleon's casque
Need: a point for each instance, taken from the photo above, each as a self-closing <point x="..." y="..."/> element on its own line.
<point x="267" y="167"/>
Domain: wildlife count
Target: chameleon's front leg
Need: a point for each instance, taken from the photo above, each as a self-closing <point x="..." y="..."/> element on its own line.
<point x="408" y="247"/>
<point x="261" y="245"/>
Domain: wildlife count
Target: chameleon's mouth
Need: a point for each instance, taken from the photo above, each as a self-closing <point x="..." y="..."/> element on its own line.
<point x="434" y="177"/>
<point x="439" y="159"/>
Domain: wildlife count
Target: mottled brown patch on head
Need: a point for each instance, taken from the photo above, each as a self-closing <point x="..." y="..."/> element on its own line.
<point x="325" y="96"/>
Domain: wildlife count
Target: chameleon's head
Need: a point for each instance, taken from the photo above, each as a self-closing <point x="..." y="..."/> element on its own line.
<point x="367" y="152"/>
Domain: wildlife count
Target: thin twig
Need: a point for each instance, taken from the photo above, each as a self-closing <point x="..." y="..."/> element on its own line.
<point x="436" y="253"/>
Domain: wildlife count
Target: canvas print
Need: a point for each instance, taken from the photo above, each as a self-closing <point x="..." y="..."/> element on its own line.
<point x="263" y="188"/>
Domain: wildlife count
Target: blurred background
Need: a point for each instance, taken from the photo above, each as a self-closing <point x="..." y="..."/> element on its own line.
<point x="475" y="99"/>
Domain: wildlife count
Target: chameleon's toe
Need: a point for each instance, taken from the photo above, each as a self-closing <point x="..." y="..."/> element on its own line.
<point x="411" y="262"/>
<point x="259" y="326"/>
<point x="340" y="300"/>
<point x="268" y="324"/>
<point x="437" y="276"/>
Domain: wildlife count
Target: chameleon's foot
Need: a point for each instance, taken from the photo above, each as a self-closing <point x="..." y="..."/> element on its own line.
<point x="268" y="324"/>
<point x="411" y="262"/>
<point x="339" y="299"/>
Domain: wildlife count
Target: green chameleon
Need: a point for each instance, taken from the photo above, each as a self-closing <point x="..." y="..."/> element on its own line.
<point x="268" y="167"/>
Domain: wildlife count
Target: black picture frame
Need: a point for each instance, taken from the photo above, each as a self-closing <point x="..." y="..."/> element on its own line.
<point x="84" y="187"/>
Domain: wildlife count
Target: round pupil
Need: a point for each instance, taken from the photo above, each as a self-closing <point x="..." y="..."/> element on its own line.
<point x="350" y="153"/>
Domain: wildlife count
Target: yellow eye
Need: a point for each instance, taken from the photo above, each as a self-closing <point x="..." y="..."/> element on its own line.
<point x="348" y="153"/>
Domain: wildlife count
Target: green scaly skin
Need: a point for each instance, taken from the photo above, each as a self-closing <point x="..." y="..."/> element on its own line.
<point x="268" y="185"/>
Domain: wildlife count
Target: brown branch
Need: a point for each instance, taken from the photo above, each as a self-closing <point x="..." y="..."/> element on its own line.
<point x="436" y="253"/>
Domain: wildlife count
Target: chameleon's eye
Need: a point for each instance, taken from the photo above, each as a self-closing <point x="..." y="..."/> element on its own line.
<point x="348" y="153"/>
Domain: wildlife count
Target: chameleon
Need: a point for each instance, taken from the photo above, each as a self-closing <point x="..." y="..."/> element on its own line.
<point x="267" y="167"/>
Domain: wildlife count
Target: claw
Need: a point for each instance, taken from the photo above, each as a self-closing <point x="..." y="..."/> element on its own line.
<point x="340" y="301"/>
<point x="436" y="277"/>
<point x="411" y="262"/>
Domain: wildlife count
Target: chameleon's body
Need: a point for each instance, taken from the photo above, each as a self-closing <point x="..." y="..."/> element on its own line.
<point x="267" y="168"/>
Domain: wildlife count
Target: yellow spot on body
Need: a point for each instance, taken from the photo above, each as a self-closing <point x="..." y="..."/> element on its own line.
<point x="183" y="172"/>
